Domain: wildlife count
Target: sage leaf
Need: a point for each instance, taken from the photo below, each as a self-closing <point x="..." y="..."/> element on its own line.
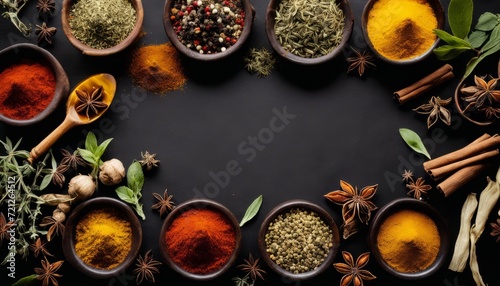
<point x="494" y="39"/>
<point x="413" y="140"/>
<point x="477" y="39"/>
<point x="451" y="39"/>
<point x="135" y="177"/>
<point x="460" y="17"/>
<point x="487" y="21"/>
<point x="26" y="281"/>
<point x="252" y="210"/>
<point x="447" y="52"/>
<point x="125" y="194"/>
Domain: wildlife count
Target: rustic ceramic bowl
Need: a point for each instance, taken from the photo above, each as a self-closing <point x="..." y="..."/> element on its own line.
<point x="169" y="30"/>
<point x="275" y="44"/>
<point x="68" y="240"/>
<point x="283" y="208"/>
<point x="439" y="12"/>
<point x="19" y="52"/>
<point x="86" y="50"/>
<point x="416" y="205"/>
<point x="200" y="204"/>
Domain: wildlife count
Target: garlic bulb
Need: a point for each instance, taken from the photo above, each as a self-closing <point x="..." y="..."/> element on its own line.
<point x="81" y="187"/>
<point x="111" y="172"/>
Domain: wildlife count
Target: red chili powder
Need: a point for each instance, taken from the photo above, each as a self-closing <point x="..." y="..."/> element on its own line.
<point x="26" y="89"/>
<point x="200" y="241"/>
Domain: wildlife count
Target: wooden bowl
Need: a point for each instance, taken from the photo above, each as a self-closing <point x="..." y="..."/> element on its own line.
<point x="439" y="12"/>
<point x="86" y="50"/>
<point x="68" y="241"/>
<point x="275" y="44"/>
<point x="189" y="53"/>
<point x="419" y="206"/>
<point x="18" y="52"/>
<point x="200" y="204"/>
<point x="304" y="205"/>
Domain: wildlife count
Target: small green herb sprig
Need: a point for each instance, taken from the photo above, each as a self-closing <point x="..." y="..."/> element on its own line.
<point x="13" y="7"/>
<point x="260" y="61"/>
<point x="483" y="40"/>
<point x="252" y="210"/>
<point x="132" y="192"/>
<point x="92" y="153"/>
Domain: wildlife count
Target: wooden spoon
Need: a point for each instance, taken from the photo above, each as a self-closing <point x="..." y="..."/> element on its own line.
<point x="73" y="117"/>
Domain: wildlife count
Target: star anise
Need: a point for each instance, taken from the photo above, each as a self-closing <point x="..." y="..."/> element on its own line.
<point x="72" y="160"/>
<point x="4" y="227"/>
<point x="252" y="268"/>
<point x="361" y="61"/>
<point x="407" y="176"/>
<point x="490" y="112"/>
<point x="483" y="92"/>
<point x="352" y="270"/>
<point x="418" y="189"/>
<point x="436" y="110"/>
<point x="149" y="160"/>
<point x="355" y="205"/>
<point x="90" y="101"/>
<point x="48" y="273"/>
<point x="495" y="229"/>
<point x="45" y="33"/>
<point x="46" y="7"/>
<point x="58" y="175"/>
<point x="55" y="227"/>
<point x="39" y="247"/>
<point x="164" y="204"/>
<point x="146" y="267"/>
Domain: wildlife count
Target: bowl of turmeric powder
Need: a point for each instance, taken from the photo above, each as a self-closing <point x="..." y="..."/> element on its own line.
<point x="32" y="84"/>
<point x="102" y="237"/>
<point x="409" y="239"/>
<point x="401" y="31"/>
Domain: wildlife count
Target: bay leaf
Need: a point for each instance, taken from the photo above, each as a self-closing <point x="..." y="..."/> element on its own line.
<point x="252" y="210"/>
<point x="460" y="17"/>
<point x="413" y="140"/>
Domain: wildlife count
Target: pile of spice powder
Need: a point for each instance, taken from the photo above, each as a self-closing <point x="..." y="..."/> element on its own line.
<point x="208" y="27"/>
<point x="103" y="238"/>
<point x="401" y="29"/>
<point x="200" y="241"/>
<point x="298" y="240"/>
<point x="102" y="24"/>
<point x="157" y="68"/>
<point x="26" y="89"/>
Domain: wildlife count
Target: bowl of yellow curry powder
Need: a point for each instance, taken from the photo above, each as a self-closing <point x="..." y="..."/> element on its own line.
<point x="102" y="237"/>
<point x="409" y="239"/>
<point x="401" y="31"/>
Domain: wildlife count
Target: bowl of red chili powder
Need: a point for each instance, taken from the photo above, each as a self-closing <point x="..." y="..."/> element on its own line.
<point x="32" y="84"/>
<point x="200" y="239"/>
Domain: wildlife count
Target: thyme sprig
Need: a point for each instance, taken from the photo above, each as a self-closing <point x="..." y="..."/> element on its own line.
<point x="13" y="7"/>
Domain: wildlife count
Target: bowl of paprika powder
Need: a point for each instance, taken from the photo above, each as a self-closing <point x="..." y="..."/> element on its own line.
<point x="32" y="84"/>
<point x="200" y="239"/>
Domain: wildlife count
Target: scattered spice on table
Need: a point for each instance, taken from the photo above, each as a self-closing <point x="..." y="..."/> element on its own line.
<point x="408" y="241"/>
<point x="361" y="60"/>
<point x="483" y="97"/>
<point x="48" y="272"/>
<point x="38" y="247"/>
<point x="401" y="29"/>
<point x="352" y="269"/>
<point x="102" y="24"/>
<point x="298" y="240"/>
<point x="146" y="267"/>
<point x="417" y="188"/>
<point x="314" y="32"/>
<point x="208" y="28"/>
<point x="45" y="8"/>
<point x="260" y="61"/>
<point x="158" y="69"/>
<point x="435" y="109"/>
<point x="45" y="33"/>
<point x="149" y="160"/>
<point x="252" y="268"/>
<point x="164" y="204"/>
<point x="200" y="241"/>
<point x="26" y="89"/>
<point x="103" y="238"/>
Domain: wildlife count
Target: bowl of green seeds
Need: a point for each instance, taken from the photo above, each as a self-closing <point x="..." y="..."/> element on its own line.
<point x="315" y="35"/>
<point x="102" y="27"/>
<point x="298" y="240"/>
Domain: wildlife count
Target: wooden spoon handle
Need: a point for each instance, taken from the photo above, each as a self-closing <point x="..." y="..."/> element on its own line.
<point x="46" y="143"/>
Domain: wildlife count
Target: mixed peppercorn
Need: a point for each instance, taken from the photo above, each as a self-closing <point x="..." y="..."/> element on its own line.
<point x="208" y="27"/>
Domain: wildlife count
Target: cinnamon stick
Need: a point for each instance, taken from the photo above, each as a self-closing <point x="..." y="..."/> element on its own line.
<point x="463" y="153"/>
<point x="440" y="172"/>
<point x="437" y="77"/>
<point x="460" y="178"/>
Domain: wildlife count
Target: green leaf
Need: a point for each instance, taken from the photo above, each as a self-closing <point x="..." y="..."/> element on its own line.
<point x="139" y="211"/>
<point x="87" y="156"/>
<point x="487" y="21"/>
<point x="99" y="150"/>
<point x="46" y="180"/>
<point x="471" y="65"/>
<point x="90" y="142"/>
<point x="460" y="17"/>
<point x="252" y="210"/>
<point x="126" y="194"/>
<point x="413" y="140"/>
<point x="477" y="39"/>
<point x="493" y="41"/>
<point x="26" y="281"/>
<point x="135" y="176"/>
<point x="451" y="39"/>
<point x="447" y="52"/>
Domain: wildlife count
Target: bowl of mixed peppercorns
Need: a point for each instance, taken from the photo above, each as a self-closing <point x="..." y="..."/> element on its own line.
<point x="208" y="30"/>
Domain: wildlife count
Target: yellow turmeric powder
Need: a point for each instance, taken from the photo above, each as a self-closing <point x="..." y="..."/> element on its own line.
<point x="103" y="238"/>
<point x="408" y="241"/>
<point x="401" y="29"/>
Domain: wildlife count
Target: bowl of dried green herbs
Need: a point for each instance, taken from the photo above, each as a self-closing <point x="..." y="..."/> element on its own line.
<point x="102" y="27"/>
<point x="298" y="240"/>
<point x="309" y="37"/>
